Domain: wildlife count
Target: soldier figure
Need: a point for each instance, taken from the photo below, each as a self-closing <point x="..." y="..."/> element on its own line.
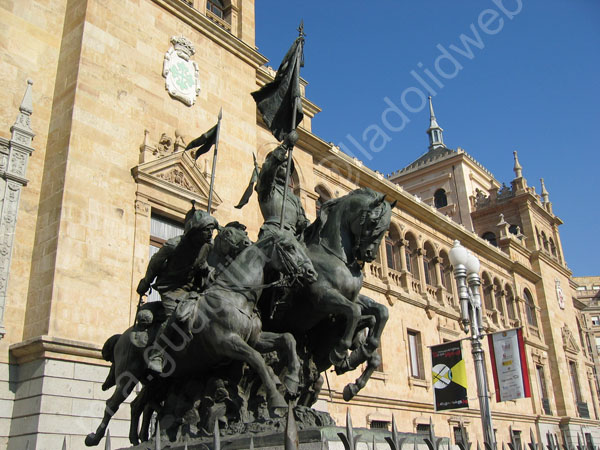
<point x="180" y="267"/>
<point x="270" y="188"/>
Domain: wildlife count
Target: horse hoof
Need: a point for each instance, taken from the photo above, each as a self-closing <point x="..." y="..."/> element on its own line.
<point x="291" y="384"/>
<point x="277" y="401"/>
<point x="343" y="367"/>
<point x="278" y="412"/>
<point x="350" y="391"/>
<point x="337" y="357"/>
<point x="133" y="440"/>
<point x="92" y="440"/>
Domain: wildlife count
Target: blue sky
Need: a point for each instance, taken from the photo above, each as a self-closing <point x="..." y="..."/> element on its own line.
<point x="522" y="75"/>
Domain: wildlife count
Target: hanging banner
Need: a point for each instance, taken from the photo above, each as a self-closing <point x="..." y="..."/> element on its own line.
<point x="509" y="365"/>
<point x="449" y="376"/>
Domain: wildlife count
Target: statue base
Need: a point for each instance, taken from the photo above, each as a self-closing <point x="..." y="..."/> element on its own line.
<point x="318" y="438"/>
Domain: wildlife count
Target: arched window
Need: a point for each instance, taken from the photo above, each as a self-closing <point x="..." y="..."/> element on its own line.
<point x="530" y="309"/>
<point x="440" y="199"/>
<point x="490" y="237"/>
<point x="510" y="303"/>
<point x="410" y="253"/>
<point x="552" y="248"/>
<point x="392" y="249"/>
<point x="446" y="271"/>
<point x="539" y="239"/>
<point x="514" y="229"/>
<point x="498" y="296"/>
<point x="486" y="288"/>
<point x="428" y="266"/>
<point x="545" y="241"/>
<point x="324" y="196"/>
<point x="216" y="7"/>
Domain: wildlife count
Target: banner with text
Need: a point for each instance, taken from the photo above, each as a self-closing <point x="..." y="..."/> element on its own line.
<point x="509" y="365"/>
<point x="449" y="376"/>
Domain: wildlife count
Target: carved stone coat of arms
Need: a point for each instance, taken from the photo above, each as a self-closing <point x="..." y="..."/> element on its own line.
<point x="180" y="72"/>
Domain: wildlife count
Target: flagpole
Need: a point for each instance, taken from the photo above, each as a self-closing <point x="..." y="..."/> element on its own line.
<point x="214" y="163"/>
<point x="294" y="115"/>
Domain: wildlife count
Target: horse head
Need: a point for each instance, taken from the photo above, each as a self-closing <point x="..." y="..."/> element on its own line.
<point x="231" y="240"/>
<point x="290" y="258"/>
<point x="369" y="225"/>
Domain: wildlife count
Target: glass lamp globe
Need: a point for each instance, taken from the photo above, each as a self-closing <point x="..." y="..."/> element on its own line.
<point x="472" y="264"/>
<point x="458" y="254"/>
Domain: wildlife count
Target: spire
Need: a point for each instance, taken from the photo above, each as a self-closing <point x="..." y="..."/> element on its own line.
<point x="435" y="131"/>
<point x="545" y="195"/>
<point x="21" y="130"/>
<point x="517" y="168"/>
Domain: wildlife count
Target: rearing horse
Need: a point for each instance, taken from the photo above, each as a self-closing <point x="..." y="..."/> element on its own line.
<point x="346" y="234"/>
<point x="224" y="325"/>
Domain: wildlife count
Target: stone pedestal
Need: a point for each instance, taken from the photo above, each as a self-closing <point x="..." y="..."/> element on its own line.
<point x="310" y="439"/>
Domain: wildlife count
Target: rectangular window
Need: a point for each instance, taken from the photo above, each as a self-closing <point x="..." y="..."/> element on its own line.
<point x="596" y="287"/>
<point x="595" y="320"/>
<point x="589" y="442"/>
<point x="543" y="390"/>
<point x="379" y="425"/>
<point x="423" y="430"/>
<point x="574" y="381"/>
<point x="389" y="251"/>
<point x="215" y="7"/>
<point x="414" y="352"/>
<point x="516" y="436"/>
<point x="427" y="269"/>
<point x="459" y="438"/>
<point x="161" y="230"/>
<point x="581" y="288"/>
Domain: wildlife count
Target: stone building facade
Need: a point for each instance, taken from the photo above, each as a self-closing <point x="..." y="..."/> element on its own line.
<point x="588" y="297"/>
<point x="118" y="88"/>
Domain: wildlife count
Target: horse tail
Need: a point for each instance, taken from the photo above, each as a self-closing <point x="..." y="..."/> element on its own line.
<point x="108" y="349"/>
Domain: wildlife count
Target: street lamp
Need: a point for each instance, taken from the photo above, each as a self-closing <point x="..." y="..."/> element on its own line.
<point x="466" y="274"/>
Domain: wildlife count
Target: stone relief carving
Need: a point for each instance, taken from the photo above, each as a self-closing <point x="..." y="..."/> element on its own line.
<point x="13" y="161"/>
<point x="569" y="342"/>
<point x="180" y="72"/>
<point x="142" y="208"/>
<point x="178" y="177"/>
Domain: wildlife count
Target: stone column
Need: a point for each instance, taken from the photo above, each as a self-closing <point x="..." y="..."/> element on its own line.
<point x="14" y="155"/>
<point x="140" y="249"/>
<point x="384" y="262"/>
<point x="438" y="270"/>
<point x="401" y="244"/>
<point x="421" y="267"/>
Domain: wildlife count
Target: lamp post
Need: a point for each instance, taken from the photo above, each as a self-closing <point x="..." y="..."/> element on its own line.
<point x="466" y="274"/>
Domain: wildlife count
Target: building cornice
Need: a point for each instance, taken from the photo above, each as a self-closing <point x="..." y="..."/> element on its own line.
<point x="56" y="348"/>
<point x="537" y="254"/>
<point x="204" y="25"/>
<point x="353" y="169"/>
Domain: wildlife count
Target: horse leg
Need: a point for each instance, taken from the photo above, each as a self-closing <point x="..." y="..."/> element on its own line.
<point x="122" y="391"/>
<point x="268" y="342"/>
<point x="381" y="314"/>
<point x="138" y="405"/>
<point x="146" y="419"/>
<point x="110" y="378"/>
<point x="360" y="352"/>
<point x="332" y="302"/>
<point x="351" y="389"/>
<point x="234" y="347"/>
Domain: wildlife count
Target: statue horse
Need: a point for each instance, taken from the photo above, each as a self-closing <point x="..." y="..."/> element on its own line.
<point x="331" y="313"/>
<point x="224" y="327"/>
<point x="230" y="241"/>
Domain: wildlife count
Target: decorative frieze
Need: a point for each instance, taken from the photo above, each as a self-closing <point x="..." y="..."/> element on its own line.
<point x="14" y="155"/>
